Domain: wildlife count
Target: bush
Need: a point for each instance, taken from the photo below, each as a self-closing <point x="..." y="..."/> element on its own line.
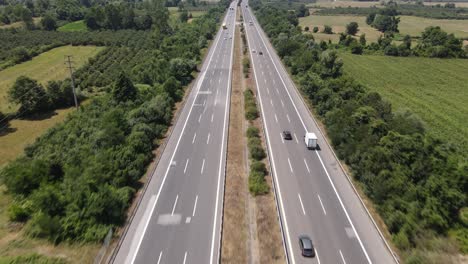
<point x="252" y="132"/>
<point x="257" y="152"/>
<point x="306" y="29"/>
<point x="259" y="167"/>
<point x="257" y="184"/>
<point x="327" y="29"/>
<point x="352" y="28"/>
<point x="356" y="48"/>
<point x="251" y="113"/>
<point x="315" y="30"/>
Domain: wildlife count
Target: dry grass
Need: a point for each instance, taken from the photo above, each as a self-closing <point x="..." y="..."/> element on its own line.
<point x="330" y="4"/>
<point x="457" y="4"/>
<point x="410" y="25"/>
<point x="43" y="68"/>
<point x="234" y="239"/>
<point x="19" y="24"/>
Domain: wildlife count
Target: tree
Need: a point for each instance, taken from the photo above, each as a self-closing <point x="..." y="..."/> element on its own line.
<point x="48" y="23"/>
<point x="29" y="94"/>
<point x="327" y="29"/>
<point x="183" y="16"/>
<point x="331" y="65"/>
<point x="356" y="48"/>
<point x="315" y="30"/>
<point x="386" y="23"/>
<point x="352" y="28"/>
<point x="124" y="89"/>
<point x="407" y="41"/>
<point x="362" y="39"/>
<point x="306" y="29"/>
<point x="370" y="18"/>
<point x="302" y="11"/>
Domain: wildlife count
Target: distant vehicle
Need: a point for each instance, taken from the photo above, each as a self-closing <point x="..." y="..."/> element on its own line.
<point x="253" y="51"/>
<point x="260" y="53"/>
<point x="224" y="26"/>
<point x="310" y="140"/>
<point x="287" y="135"/>
<point x="307" y="248"/>
<point x="251" y="23"/>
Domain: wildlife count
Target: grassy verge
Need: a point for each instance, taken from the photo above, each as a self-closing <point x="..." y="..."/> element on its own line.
<point x="46" y="67"/>
<point x="77" y="26"/>
<point x="235" y="235"/>
<point x="435" y="89"/>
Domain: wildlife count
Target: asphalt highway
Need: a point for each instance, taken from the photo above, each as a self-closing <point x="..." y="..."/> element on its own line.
<point x="179" y="219"/>
<point x="313" y="194"/>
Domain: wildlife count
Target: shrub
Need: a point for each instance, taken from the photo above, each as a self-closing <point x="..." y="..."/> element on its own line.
<point x="257" y="152"/>
<point x="352" y="28"/>
<point x="257" y="184"/>
<point x="251" y="113"/>
<point x="356" y="48"/>
<point x="306" y="28"/>
<point x="315" y="30"/>
<point x="327" y="29"/>
<point x="252" y="132"/>
<point x="259" y="167"/>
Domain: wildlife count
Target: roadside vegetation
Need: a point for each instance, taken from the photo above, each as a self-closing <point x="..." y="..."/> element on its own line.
<point x="416" y="180"/>
<point x="75" y="183"/>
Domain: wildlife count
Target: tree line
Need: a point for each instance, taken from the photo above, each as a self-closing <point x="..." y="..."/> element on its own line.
<point x="77" y="180"/>
<point x="417" y="182"/>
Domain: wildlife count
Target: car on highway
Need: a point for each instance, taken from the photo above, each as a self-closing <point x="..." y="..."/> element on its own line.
<point x="307" y="248"/>
<point x="260" y="53"/>
<point x="253" y="51"/>
<point x="287" y="135"/>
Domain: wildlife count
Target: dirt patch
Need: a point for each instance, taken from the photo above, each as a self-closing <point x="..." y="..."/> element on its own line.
<point x="234" y="237"/>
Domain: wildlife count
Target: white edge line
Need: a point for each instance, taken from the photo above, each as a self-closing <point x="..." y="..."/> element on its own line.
<point x="275" y="176"/>
<point x="194" y="136"/>
<point x="290" y="167"/>
<point x="228" y="95"/>
<point x="208" y="139"/>
<point x="281" y="136"/>
<point x="185" y="256"/>
<point x="175" y="150"/>
<point x="297" y="141"/>
<point x="300" y="118"/>
<point x="316" y="253"/>
<point x="202" y="166"/>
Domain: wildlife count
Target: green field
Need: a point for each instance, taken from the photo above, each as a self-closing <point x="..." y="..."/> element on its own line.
<point x="77" y="26"/>
<point x="44" y="67"/>
<point x="434" y="89"/>
<point x="408" y="25"/>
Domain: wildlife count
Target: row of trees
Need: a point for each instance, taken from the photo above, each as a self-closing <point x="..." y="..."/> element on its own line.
<point x="77" y="180"/>
<point x="417" y="182"/>
<point x="122" y="16"/>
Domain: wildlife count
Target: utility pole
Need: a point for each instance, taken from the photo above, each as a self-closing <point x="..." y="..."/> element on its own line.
<point x="70" y="67"/>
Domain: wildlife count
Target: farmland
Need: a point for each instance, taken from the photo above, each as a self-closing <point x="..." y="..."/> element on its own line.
<point x="45" y="67"/>
<point x="435" y="89"/>
<point x="77" y="26"/>
<point x="410" y="25"/>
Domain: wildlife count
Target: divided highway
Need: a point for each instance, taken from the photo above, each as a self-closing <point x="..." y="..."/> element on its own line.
<point x="314" y="196"/>
<point x="179" y="218"/>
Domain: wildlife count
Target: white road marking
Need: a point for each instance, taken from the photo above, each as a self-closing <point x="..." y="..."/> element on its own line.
<point x="264" y="80"/>
<point x="277" y="91"/>
<point x="195" y="206"/>
<point x="186" y="163"/>
<point x="217" y="91"/>
<point x="276" y="118"/>
<point x="307" y="166"/>
<point x="316" y="254"/>
<point x="287" y="116"/>
<point x="297" y="141"/>
<point x="323" y="207"/>
<point x="341" y="254"/>
<point x="282" y="139"/>
<point x="194" y="136"/>
<point x="282" y="103"/>
<point x="271" y="102"/>
<point x="175" y="204"/>
<point x="263" y="73"/>
<point x="208" y="139"/>
<point x="204" y="102"/>
<point x="268" y="90"/>
<point x="212" y="115"/>
<point x="160" y="255"/>
<point x="302" y="205"/>
<point x="290" y="167"/>
<point x="202" y="166"/>
<point x="303" y="124"/>
<point x="185" y="256"/>
<point x="133" y="256"/>
<point x="199" y="118"/>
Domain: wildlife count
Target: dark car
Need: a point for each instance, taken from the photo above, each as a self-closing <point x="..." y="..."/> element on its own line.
<point x="307" y="248"/>
<point x="260" y="53"/>
<point x="287" y="135"/>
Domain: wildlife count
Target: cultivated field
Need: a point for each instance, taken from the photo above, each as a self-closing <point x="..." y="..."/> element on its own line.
<point x="435" y="89"/>
<point x="408" y="25"/>
<point x="44" y="67"/>
<point x="77" y="26"/>
<point x="330" y="4"/>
